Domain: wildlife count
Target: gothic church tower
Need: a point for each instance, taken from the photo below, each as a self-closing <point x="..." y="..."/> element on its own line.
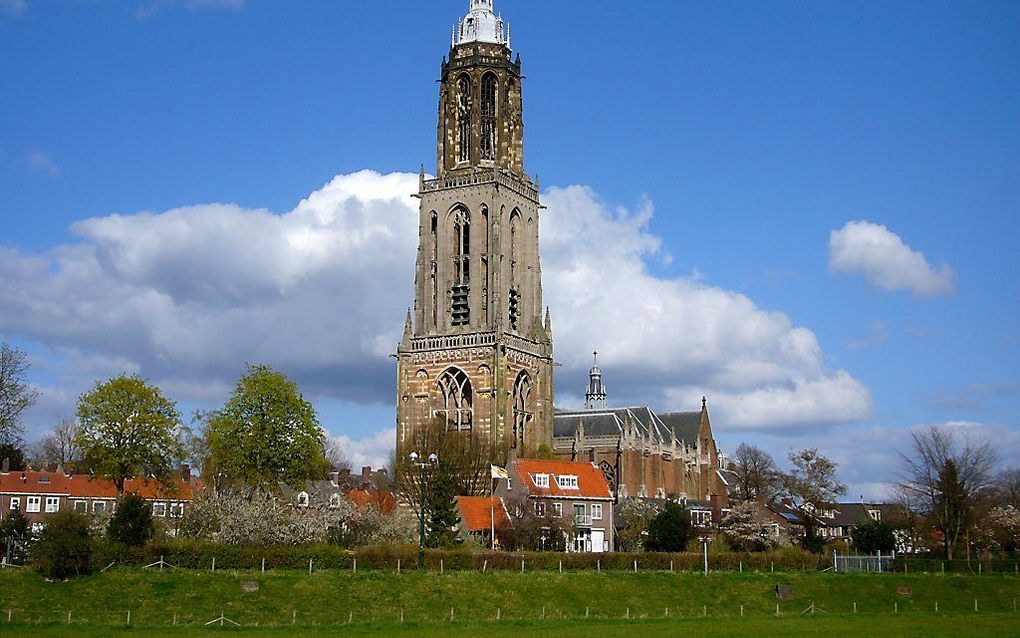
<point x="476" y="353"/>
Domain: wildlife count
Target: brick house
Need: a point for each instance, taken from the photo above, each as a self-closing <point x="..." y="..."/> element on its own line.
<point x="40" y="495"/>
<point x="573" y="491"/>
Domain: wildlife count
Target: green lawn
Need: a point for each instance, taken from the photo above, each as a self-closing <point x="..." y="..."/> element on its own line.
<point x="573" y="604"/>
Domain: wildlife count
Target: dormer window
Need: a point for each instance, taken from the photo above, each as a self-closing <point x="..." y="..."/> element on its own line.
<point x="541" y="480"/>
<point x="302" y="499"/>
<point x="875" y="514"/>
<point x="567" y="481"/>
<point x="334" y="500"/>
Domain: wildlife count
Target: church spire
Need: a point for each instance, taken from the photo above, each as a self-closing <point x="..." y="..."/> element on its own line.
<point x="595" y="397"/>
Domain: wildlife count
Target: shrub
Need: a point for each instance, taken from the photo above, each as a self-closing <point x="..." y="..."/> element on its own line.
<point x="131" y="523"/>
<point x="874" y="536"/>
<point x="63" y="549"/>
<point x="670" y="530"/>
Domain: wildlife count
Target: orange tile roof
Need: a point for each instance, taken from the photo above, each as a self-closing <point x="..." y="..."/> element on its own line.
<point x="590" y="482"/>
<point x="85" y="486"/>
<point x="479" y="512"/>
<point x="385" y="502"/>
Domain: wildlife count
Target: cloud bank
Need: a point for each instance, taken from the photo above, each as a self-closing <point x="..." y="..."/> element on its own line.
<point x="877" y="253"/>
<point x="187" y="296"/>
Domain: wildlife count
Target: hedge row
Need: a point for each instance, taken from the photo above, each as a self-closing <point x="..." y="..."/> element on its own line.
<point x="200" y="555"/>
<point x="975" y="566"/>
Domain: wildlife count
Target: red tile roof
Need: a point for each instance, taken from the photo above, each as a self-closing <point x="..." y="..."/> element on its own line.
<point x="85" y="486"/>
<point x="385" y="502"/>
<point x="590" y="482"/>
<point x="479" y="512"/>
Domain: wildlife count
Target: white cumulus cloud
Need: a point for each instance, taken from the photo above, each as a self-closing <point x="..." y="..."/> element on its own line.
<point x="877" y="253"/>
<point x="188" y="296"/>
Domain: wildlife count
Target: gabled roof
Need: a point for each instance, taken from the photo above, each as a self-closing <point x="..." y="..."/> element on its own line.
<point x="479" y="513"/>
<point x="590" y="481"/>
<point x="384" y="502"/>
<point x="599" y="423"/>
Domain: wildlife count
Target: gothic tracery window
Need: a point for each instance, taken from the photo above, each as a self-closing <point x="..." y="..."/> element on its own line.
<point x="461" y="267"/>
<point x="488" y="112"/>
<point x="457" y="399"/>
<point x="522" y="405"/>
<point x="464" y="118"/>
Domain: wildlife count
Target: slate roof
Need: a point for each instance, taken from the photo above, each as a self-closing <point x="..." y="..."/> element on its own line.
<point x="590" y="481"/>
<point x="594" y="424"/>
<point x="683" y="425"/>
<point x="479" y="512"/>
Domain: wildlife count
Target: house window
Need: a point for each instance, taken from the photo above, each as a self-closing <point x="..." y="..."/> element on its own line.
<point x="98" y="506"/>
<point x="52" y="504"/>
<point x="775" y="529"/>
<point x="567" y="482"/>
<point x="558" y="509"/>
<point x="159" y="509"/>
<point x="596" y="511"/>
<point x="541" y="480"/>
<point x="539" y="508"/>
<point x="579" y="509"/>
<point x="334" y="500"/>
<point x="81" y="507"/>
<point x="302" y="499"/>
<point x="33" y="503"/>
<point x="875" y="514"/>
<point x="15" y="503"/>
<point x="176" y="510"/>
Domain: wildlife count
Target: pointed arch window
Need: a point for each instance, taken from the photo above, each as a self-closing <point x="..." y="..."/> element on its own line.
<point x="464" y="118"/>
<point x="522" y="407"/>
<point x="455" y="388"/>
<point x="514" y="301"/>
<point x="490" y="86"/>
<point x="461" y="311"/>
<point x="433" y="264"/>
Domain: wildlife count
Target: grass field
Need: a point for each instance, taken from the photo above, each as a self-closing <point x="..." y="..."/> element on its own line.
<point x="547" y="603"/>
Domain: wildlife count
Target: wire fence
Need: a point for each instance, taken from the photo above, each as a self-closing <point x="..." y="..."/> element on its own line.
<point x="681" y="610"/>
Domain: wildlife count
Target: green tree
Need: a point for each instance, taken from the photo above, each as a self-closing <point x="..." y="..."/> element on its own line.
<point x="953" y="509"/>
<point x="811" y="483"/>
<point x="874" y="536"/>
<point x="670" y="530"/>
<point x="16" y="395"/>
<point x="441" y="518"/>
<point x="127" y="427"/>
<point x="266" y="432"/>
<point x="14" y="455"/>
<point x="63" y="548"/>
<point x="131" y="522"/>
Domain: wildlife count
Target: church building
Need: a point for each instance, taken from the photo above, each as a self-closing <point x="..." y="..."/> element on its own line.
<point x="477" y="347"/>
<point x="643" y="453"/>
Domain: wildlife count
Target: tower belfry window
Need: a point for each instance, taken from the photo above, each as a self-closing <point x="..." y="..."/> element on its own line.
<point x="464" y="119"/>
<point x="488" y="111"/>
<point x="460" y="307"/>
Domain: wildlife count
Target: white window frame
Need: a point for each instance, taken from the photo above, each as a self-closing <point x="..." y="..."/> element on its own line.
<point x="15" y="503"/>
<point x="33" y="504"/>
<point x="52" y="504"/>
<point x="558" y="509"/>
<point x="302" y="499"/>
<point x="84" y="509"/>
<point x="580" y="509"/>
<point x="541" y="480"/>
<point x="567" y="482"/>
<point x="539" y="508"/>
<point x="98" y="506"/>
<point x="159" y="509"/>
<point x="875" y="515"/>
<point x="596" y="511"/>
<point x="176" y="510"/>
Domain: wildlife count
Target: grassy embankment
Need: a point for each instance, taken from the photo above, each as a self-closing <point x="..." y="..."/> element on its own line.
<point x="616" y="603"/>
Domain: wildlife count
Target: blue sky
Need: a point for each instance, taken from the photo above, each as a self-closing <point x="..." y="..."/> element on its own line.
<point x="748" y="132"/>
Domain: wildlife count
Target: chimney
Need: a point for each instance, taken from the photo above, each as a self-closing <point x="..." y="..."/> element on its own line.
<point x="186" y="472"/>
<point x="6" y="467"/>
<point x="366" y="471"/>
<point x="383" y="471"/>
<point x="345" y="473"/>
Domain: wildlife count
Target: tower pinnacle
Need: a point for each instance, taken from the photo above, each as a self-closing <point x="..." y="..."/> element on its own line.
<point x="481" y="25"/>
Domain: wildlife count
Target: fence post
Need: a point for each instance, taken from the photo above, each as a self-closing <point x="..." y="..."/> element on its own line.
<point x="704" y="610"/>
<point x="214" y="563"/>
<point x="561" y="567"/>
<point x="936" y="606"/>
<point x="309" y="565"/>
<point x="671" y="564"/>
<point x="635" y="565"/>
<point x="777" y="610"/>
<point x="740" y="567"/>
<point x="398" y="571"/>
<point x="263" y="564"/>
<point x="586" y="611"/>
<point x="498" y="609"/>
<point x="975" y="604"/>
<point x="772" y="566"/>
<point x="855" y="606"/>
<point x="350" y="617"/>
<point x="293" y="617"/>
<point x="129" y="617"/>
<point x="355" y="565"/>
<point x="522" y="564"/>
<point x="440" y="565"/>
<point x="69" y="616"/>
<point x="628" y="613"/>
<point x="485" y="564"/>
<point x="598" y="565"/>
<point x="835" y="567"/>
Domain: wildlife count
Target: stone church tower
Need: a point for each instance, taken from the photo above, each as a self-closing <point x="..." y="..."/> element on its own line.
<point x="476" y="352"/>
